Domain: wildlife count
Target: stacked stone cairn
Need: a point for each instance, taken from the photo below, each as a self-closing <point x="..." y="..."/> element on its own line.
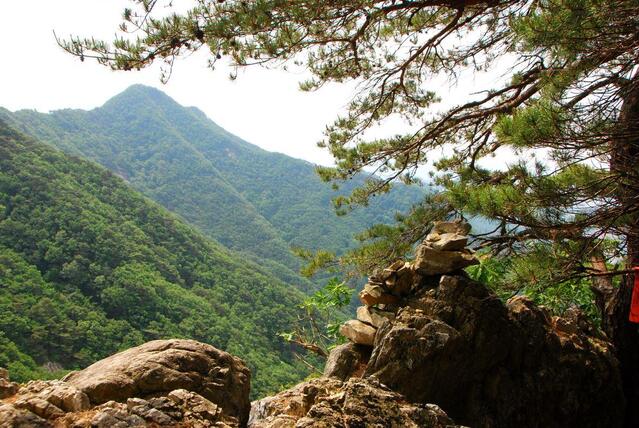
<point x="442" y="252"/>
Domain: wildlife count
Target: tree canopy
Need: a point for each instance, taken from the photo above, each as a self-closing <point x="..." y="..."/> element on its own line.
<point x="568" y="84"/>
<point x="564" y="105"/>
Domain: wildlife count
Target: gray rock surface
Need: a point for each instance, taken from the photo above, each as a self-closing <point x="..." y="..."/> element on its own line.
<point x="488" y="364"/>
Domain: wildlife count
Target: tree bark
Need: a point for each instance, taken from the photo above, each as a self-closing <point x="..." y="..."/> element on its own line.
<point x="624" y="334"/>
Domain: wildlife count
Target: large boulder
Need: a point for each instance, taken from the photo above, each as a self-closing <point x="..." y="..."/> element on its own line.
<point x="328" y="402"/>
<point x="489" y="364"/>
<point x="159" y="367"/>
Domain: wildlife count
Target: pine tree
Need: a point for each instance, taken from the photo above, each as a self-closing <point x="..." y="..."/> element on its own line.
<point x="567" y="109"/>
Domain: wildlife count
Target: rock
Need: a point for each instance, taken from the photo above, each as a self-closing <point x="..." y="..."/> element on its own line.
<point x="358" y="332"/>
<point x="396" y="265"/>
<point x="373" y="294"/>
<point x="429" y="261"/>
<point x="7" y="388"/>
<point x="446" y="241"/>
<point x="162" y="366"/>
<point x="194" y="404"/>
<point x="458" y="227"/>
<point x="146" y="411"/>
<point x="39" y="406"/>
<point x="490" y="364"/>
<point x="405" y="277"/>
<point x="13" y="417"/>
<point x="374" y="317"/>
<point x="346" y="361"/>
<point x="328" y="402"/>
<point x="117" y="415"/>
<point x="62" y="395"/>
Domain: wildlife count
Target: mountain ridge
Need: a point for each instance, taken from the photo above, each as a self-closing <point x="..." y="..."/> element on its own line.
<point x="179" y="157"/>
<point x="88" y="266"/>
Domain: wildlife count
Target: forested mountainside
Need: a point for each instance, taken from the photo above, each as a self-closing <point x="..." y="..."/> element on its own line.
<point x="89" y="266"/>
<point x="250" y="200"/>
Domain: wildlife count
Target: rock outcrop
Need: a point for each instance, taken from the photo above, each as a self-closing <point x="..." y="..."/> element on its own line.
<point x="448" y="340"/>
<point x="329" y="402"/>
<point x="161" y="366"/>
<point x="7" y="388"/>
<point x="161" y="383"/>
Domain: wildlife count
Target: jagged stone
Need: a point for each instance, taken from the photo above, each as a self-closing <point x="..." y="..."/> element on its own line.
<point x="374" y="317"/>
<point x="346" y="361"/>
<point x="396" y="265"/>
<point x="327" y="402"/>
<point x="374" y="294"/>
<point x="112" y="414"/>
<point x="39" y="406"/>
<point x="7" y="388"/>
<point x="403" y="281"/>
<point x="429" y="261"/>
<point x="358" y="332"/>
<point x="494" y="365"/>
<point x="162" y="366"/>
<point x="13" y="417"/>
<point x="60" y="394"/>
<point x="446" y="241"/>
<point x="458" y="227"/>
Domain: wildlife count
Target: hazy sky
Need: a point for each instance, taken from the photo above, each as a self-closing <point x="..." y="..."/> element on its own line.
<point x="262" y="106"/>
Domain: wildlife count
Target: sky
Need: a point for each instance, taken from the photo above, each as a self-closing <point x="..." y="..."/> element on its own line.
<point x="264" y="107"/>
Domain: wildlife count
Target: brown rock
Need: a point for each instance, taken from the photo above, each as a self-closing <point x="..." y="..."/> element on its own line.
<point x="13" y="417"/>
<point x="374" y="317"/>
<point x="328" y="402"/>
<point x="347" y="360"/>
<point x="396" y="265"/>
<point x="374" y="294"/>
<point x="161" y="366"/>
<point x="446" y="241"/>
<point x="429" y="261"/>
<point x="358" y="332"/>
<point x="39" y="406"/>
<point x="458" y="227"/>
<point x="62" y="395"/>
<point x="7" y="388"/>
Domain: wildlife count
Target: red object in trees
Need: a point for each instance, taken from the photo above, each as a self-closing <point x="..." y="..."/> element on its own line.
<point x="634" y="305"/>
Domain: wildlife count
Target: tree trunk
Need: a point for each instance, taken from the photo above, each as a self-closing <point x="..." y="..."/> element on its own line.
<point x="624" y="334"/>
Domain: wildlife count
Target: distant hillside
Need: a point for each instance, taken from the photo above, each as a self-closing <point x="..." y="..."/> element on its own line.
<point x="88" y="266"/>
<point x="251" y="200"/>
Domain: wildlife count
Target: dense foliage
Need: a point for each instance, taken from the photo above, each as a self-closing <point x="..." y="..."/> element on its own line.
<point x="248" y="199"/>
<point x="566" y="110"/>
<point x="89" y="267"/>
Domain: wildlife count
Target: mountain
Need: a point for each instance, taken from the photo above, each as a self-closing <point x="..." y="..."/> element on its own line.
<point x="249" y="199"/>
<point x="89" y="266"/>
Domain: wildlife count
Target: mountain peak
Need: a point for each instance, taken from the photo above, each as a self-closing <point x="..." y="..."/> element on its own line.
<point x="140" y="95"/>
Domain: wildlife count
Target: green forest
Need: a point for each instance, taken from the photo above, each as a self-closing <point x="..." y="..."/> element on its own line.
<point x="89" y="266"/>
<point x="181" y="159"/>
